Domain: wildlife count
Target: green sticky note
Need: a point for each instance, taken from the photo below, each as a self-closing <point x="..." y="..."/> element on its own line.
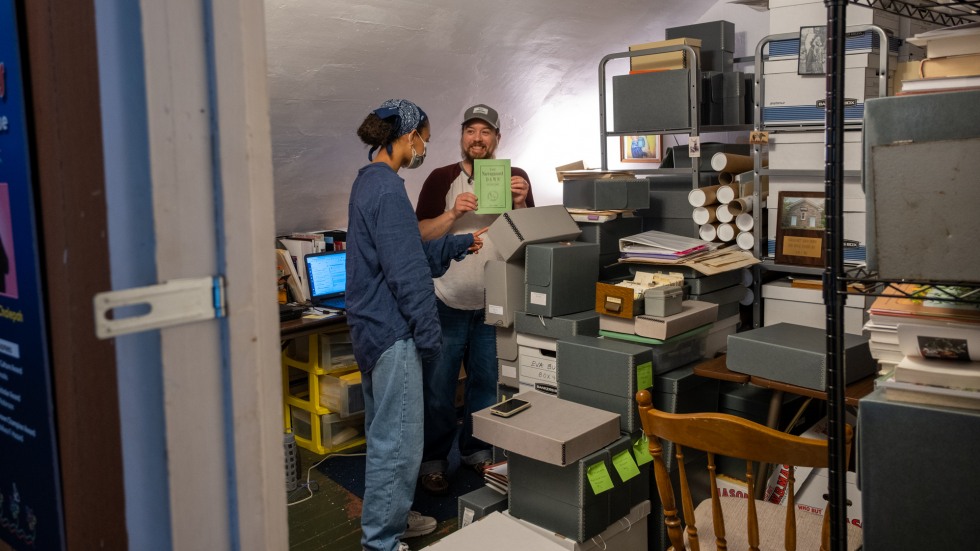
<point x="599" y="478"/>
<point x="644" y="376"/>
<point x="625" y="465"/>
<point x="641" y="448"/>
<point x="491" y="184"/>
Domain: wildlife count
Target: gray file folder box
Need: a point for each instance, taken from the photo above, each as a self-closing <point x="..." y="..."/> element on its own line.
<point x="708" y="284"/>
<point x="624" y="406"/>
<point x="681" y="391"/>
<point x="717" y="42"/>
<point x="906" y="242"/>
<point x="796" y="355"/>
<point x="560" y="278"/>
<point x="603" y="365"/>
<point x="504" y="291"/>
<point x="727" y="100"/>
<point x="558" y="327"/>
<point x="512" y="231"/>
<point x="606" y="194"/>
<point x="651" y="101"/>
<point x="608" y="234"/>
<point x="725" y="295"/>
<point x="507" y="344"/>
<point x="479" y="503"/>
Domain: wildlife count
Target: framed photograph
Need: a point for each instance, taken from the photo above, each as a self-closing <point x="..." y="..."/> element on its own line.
<point x="801" y="233"/>
<point x="640" y="149"/>
<point x="813" y="51"/>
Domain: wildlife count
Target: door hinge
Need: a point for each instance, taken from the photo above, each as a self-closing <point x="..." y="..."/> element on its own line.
<point x="166" y="304"/>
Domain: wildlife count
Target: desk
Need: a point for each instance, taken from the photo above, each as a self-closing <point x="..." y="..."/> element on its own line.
<point x="717" y="368"/>
<point x="310" y="326"/>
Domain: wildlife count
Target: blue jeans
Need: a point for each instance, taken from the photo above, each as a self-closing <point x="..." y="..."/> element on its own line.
<point x="467" y="341"/>
<point x="393" y="424"/>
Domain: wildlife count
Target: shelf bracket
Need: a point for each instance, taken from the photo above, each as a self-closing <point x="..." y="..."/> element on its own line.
<point x="173" y="302"/>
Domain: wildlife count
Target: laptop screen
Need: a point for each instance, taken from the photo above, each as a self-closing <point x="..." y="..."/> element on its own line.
<point x="327" y="274"/>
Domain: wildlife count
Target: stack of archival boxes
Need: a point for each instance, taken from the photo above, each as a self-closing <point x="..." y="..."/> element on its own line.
<point x="576" y="471"/>
<point x="793" y="113"/>
<point x="542" y="297"/>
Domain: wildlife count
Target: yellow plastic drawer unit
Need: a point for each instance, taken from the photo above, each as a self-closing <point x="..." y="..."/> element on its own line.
<point x="341" y="393"/>
<point x="328" y="432"/>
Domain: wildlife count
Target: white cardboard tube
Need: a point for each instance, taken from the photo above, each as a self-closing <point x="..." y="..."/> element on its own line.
<point x="703" y="215"/>
<point x="702" y="196"/>
<point x="727" y="193"/>
<point x="745" y="240"/>
<point x="708" y="232"/>
<point x="744" y="222"/>
<point x="731" y="162"/>
<point x="724" y="214"/>
<point x="726" y="232"/>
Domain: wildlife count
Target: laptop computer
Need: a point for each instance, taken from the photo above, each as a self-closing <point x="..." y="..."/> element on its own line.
<point x="327" y="274"/>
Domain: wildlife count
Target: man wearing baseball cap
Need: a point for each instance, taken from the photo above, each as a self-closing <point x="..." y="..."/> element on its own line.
<point x="445" y="206"/>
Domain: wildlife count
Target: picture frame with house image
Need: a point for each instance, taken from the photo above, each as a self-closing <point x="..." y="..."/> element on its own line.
<point x="801" y="230"/>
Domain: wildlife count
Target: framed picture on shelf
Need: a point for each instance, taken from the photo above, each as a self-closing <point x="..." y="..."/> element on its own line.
<point x="813" y="51"/>
<point x="640" y="149"/>
<point x="801" y="228"/>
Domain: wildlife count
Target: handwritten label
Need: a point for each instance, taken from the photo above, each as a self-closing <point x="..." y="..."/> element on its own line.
<point x="644" y="376"/>
<point x="625" y="466"/>
<point x="599" y="478"/>
<point x="641" y="449"/>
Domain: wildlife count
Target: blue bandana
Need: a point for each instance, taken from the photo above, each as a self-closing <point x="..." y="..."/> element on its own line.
<point x="408" y="117"/>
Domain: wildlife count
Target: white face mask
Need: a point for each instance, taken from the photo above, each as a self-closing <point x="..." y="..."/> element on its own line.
<point x="416" y="158"/>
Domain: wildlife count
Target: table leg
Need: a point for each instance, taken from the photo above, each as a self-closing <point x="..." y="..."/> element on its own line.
<point x="775" y="403"/>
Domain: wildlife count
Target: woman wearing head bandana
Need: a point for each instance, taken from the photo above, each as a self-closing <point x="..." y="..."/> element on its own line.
<point x="391" y="310"/>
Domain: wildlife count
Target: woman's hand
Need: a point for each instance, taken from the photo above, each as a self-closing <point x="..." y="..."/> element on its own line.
<point x="477" y="241"/>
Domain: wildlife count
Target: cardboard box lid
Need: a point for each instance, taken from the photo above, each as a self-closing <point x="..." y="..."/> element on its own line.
<point x="495" y="531"/>
<point x="552" y="430"/>
<point x="694" y="314"/>
<point x="512" y="231"/>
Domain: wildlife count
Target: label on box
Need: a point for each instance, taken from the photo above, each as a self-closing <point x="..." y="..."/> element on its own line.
<point x="641" y="449"/>
<point x="537" y="368"/>
<point x="541" y="299"/>
<point x="644" y="375"/>
<point x="625" y="466"/>
<point x="495" y="309"/>
<point x="599" y="478"/>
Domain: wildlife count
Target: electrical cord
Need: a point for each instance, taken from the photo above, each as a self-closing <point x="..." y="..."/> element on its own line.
<point x="311" y="485"/>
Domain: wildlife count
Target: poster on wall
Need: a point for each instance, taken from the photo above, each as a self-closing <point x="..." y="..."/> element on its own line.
<point x="30" y="497"/>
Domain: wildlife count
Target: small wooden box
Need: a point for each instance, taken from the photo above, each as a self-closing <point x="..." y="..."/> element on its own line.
<point x="615" y="300"/>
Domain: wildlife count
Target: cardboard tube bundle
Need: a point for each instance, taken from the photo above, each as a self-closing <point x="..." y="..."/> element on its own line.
<point x="745" y="240"/>
<point x="731" y="162"/>
<point x="740" y="205"/>
<point x="726" y="232"/>
<point x="748" y="298"/>
<point x="744" y="222"/>
<point x="703" y="215"/>
<point x="708" y="232"/>
<point x="723" y="214"/>
<point x="702" y="196"/>
<point x="726" y="178"/>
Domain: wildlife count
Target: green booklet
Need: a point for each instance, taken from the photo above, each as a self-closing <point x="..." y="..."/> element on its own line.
<point x="491" y="183"/>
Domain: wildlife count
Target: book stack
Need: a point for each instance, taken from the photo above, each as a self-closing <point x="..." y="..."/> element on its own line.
<point x="940" y="361"/>
<point x="495" y="477"/>
<point x="952" y="61"/>
<point x="915" y="305"/>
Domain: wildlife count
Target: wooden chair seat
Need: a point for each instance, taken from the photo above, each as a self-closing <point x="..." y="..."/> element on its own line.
<point x="735" y="522"/>
<point x="772" y="525"/>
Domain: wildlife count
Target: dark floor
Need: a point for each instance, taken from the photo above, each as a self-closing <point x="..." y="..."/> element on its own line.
<point x="329" y="519"/>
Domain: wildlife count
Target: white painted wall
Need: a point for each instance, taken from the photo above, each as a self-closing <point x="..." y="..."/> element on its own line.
<point x="330" y="62"/>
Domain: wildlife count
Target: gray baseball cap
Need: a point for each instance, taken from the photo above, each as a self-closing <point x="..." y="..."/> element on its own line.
<point x="485" y="113"/>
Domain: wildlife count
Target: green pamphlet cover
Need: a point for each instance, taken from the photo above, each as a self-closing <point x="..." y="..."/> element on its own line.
<point x="491" y="183"/>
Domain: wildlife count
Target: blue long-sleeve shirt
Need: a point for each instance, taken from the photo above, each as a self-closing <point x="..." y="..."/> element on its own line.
<point x="390" y="296"/>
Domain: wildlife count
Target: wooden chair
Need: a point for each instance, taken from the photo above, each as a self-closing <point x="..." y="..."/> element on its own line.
<point x="736" y="523"/>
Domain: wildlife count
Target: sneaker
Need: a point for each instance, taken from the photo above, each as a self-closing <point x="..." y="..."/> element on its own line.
<point x="481" y="466"/>
<point x="435" y="483"/>
<point x="418" y="525"/>
<point x="402" y="546"/>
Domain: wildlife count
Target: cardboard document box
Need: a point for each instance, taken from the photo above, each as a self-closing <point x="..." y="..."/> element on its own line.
<point x="495" y="531"/>
<point x="558" y="327"/>
<point x="633" y="110"/>
<point x="805" y="151"/>
<point x="514" y="230"/>
<point x="628" y="533"/>
<point x="608" y="234"/>
<point x="796" y="355"/>
<point x="479" y="503"/>
<point x="536" y="361"/>
<point x="606" y="194"/>
<point x="605" y="374"/>
<point x="560" y="277"/>
<point x="504" y="291"/>
<point x="667" y="60"/>
<point x="781" y="302"/>
<point x="552" y="430"/>
<point x="693" y="314"/>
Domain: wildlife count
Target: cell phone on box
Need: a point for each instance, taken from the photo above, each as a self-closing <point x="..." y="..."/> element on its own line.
<point x="510" y="407"/>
